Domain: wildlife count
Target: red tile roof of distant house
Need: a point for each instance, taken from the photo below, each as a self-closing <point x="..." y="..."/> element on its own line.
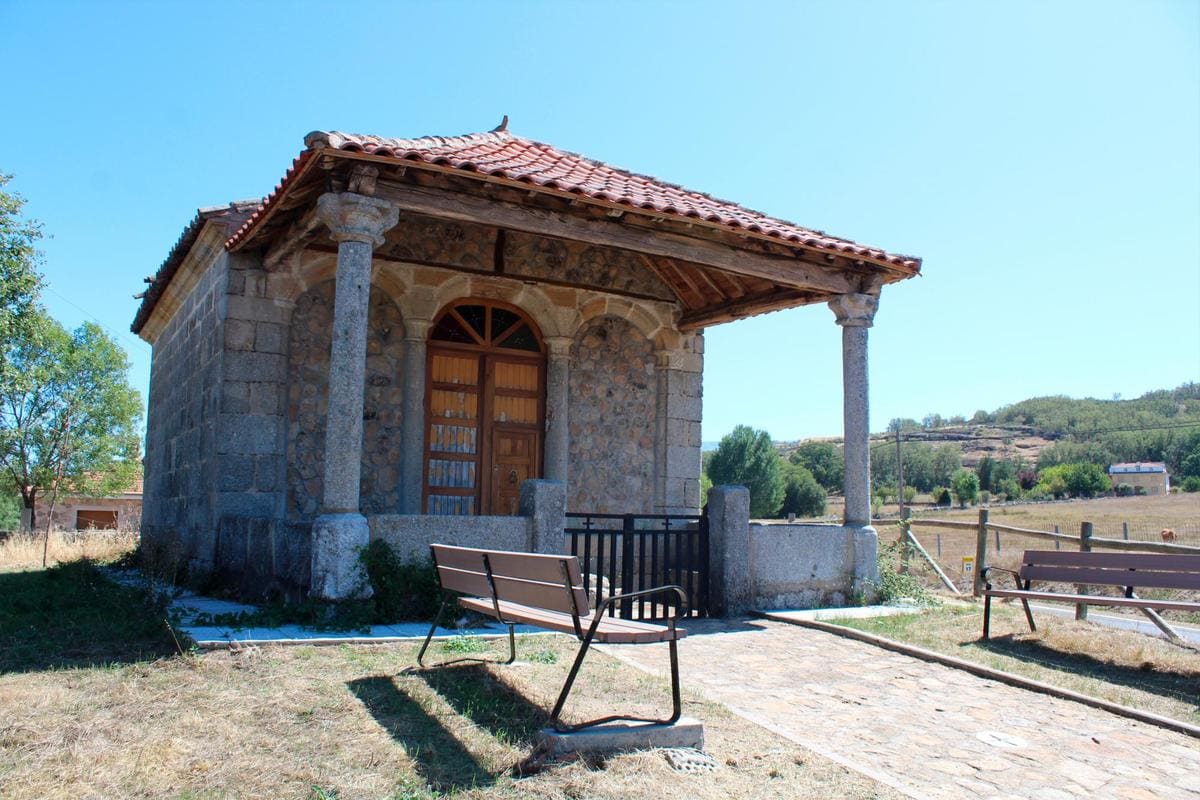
<point x="502" y="155"/>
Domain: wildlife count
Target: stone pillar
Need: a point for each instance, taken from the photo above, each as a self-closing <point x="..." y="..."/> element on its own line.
<point x="357" y="223"/>
<point x="416" y="332"/>
<point x="558" y="434"/>
<point x="545" y="504"/>
<point x="680" y="376"/>
<point x="731" y="585"/>
<point x="855" y="313"/>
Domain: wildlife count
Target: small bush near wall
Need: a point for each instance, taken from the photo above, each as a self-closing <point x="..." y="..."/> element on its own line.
<point x="402" y="591"/>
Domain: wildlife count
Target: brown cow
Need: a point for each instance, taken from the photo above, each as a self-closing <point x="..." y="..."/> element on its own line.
<point x="1168" y="535"/>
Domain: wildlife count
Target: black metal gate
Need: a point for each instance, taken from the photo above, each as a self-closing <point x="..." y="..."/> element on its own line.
<point x="622" y="553"/>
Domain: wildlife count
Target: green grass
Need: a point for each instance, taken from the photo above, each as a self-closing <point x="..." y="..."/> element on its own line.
<point x="74" y="615"/>
<point x="1115" y="665"/>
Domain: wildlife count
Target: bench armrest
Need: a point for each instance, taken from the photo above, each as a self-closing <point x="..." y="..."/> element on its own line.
<point x="681" y="609"/>
<point x="983" y="573"/>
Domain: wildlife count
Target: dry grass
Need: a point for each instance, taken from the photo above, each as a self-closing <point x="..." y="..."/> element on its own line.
<point x="22" y="551"/>
<point x="1119" y="666"/>
<point x="307" y="722"/>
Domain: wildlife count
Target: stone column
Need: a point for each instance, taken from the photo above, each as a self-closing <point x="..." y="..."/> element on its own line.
<point x="855" y="313"/>
<point x="416" y="332"/>
<point x="558" y="434"/>
<point x="357" y="223"/>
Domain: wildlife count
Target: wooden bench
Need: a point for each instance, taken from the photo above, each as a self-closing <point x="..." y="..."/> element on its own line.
<point x="547" y="591"/>
<point x="1128" y="571"/>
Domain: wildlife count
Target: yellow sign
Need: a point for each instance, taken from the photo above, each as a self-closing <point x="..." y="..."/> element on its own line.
<point x="968" y="565"/>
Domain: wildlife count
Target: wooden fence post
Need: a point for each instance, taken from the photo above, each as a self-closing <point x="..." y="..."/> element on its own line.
<point x="1085" y="546"/>
<point x="1125" y="530"/>
<point x="905" y="537"/>
<point x="980" y="552"/>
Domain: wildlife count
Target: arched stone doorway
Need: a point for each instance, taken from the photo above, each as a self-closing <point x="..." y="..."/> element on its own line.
<point x="485" y="408"/>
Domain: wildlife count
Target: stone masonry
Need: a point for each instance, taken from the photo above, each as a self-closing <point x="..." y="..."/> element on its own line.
<point x="612" y="409"/>
<point x="308" y="399"/>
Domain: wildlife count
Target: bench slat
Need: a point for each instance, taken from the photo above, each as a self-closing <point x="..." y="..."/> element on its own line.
<point x="525" y="566"/>
<point x="1112" y="577"/>
<point x="610" y="631"/>
<point x="1097" y="599"/>
<point x="1166" y="562"/>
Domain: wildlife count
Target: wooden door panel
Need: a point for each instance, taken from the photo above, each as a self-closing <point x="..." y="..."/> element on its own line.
<point x="514" y="455"/>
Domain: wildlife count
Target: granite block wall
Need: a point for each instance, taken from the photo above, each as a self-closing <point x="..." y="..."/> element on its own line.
<point x="612" y="406"/>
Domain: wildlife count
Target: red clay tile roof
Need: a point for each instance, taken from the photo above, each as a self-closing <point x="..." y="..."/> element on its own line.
<point x="501" y="154"/>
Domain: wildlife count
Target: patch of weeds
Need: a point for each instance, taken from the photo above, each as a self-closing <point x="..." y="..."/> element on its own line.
<point x="317" y="793"/>
<point x="544" y="656"/>
<point x="464" y="644"/>
<point x="73" y="614"/>
<point x="401" y="591"/>
<point x="895" y="586"/>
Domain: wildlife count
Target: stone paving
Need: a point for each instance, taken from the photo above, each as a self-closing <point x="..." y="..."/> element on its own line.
<point x="928" y="730"/>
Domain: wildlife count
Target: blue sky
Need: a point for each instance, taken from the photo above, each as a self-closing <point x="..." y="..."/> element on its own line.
<point x="1043" y="159"/>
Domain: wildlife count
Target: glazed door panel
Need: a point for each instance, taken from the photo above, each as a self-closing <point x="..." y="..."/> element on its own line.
<point x="484" y="409"/>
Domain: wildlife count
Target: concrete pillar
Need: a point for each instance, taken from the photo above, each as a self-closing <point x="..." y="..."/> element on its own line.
<point x="731" y="586"/>
<point x="412" y="432"/>
<point x="558" y="434"/>
<point x="357" y="223"/>
<point x="855" y="313"/>
<point x="545" y="504"/>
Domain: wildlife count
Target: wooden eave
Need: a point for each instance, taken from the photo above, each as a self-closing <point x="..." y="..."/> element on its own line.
<point x="716" y="274"/>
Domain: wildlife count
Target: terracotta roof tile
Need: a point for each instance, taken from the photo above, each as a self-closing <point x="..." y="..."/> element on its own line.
<point x="501" y="154"/>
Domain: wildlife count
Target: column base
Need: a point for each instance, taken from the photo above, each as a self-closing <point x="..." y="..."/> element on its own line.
<point x="337" y="541"/>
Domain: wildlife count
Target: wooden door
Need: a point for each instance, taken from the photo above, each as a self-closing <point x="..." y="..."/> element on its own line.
<point x="485" y="409"/>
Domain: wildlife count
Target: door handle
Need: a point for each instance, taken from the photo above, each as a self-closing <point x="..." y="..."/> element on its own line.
<point x="512" y="476"/>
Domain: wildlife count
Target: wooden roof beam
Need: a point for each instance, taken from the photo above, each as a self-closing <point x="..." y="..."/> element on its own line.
<point x="467" y="208"/>
<point x="745" y="307"/>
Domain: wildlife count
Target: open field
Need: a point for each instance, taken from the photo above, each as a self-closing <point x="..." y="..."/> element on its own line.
<point x="20" y="551"/>
<point x="1120" y="666"/>
<point x="80" y="717"/>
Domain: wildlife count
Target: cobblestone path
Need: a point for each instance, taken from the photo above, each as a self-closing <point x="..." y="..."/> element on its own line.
<point x="928" y="730"/>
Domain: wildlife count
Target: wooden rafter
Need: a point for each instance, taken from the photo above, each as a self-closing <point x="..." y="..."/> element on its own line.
<point x="748" y="306"/>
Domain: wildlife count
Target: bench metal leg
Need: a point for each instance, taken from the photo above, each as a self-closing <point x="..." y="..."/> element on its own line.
<point x="512" y="644"/>
<point x="676" y="702"/>
<point x="1029" y="615"/>
<point x="987" y="614"/>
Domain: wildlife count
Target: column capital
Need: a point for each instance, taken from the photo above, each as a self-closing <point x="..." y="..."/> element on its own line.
<point x="416" y="329"/>
<point x="558" y="346"/>
<point x="354" y="217"/>
<point x="855" y="310"/>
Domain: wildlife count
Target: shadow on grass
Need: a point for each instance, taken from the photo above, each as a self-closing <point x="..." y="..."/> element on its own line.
<point x="73" y="615"/>
<point x="442" y="761"/>
<point x="1151" y="678"/>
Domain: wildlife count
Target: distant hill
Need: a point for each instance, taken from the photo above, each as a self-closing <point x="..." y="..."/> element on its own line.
<point x="1137" y="429"/>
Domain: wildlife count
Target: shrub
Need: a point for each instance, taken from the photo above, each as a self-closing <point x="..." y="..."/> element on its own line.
<point x="965" y="486"/>
<point x="894" y="585"/>
<point x="940" y="496"/>
<point x="1190" y="484"/>
<point x="1123" y="490"/>
<point x="401" y="591"/>
<point x="802" y="495"/>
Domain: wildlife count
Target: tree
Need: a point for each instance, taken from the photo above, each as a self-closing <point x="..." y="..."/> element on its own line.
<point x="748" y="458"/>
<point x="824" y="460"/>
<point x="20" y="282"/>
<point x="802" y="495"/>
<point x="984" y="470"/>
<point x="69" y="419"/>
<point x="965" y="486"/>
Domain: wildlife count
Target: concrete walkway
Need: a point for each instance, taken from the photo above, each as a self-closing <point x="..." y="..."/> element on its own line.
<point x="928" y="730"/>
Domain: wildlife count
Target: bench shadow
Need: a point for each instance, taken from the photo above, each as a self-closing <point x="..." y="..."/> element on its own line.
<point x="493" y="705"/>
<point x="1151" y="678"/>
<point x="440" y="759"/>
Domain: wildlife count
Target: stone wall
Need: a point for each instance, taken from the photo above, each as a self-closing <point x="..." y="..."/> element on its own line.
<point x="680" y="389"/>
<point x="308" y="396"/>
<point x="411" y="534"/>
<point x="263" y="559"/>
<point x="812" y="566"/>
<point x="250" y="436"/>
<point x="581" y="264"/>
<point x="612" y="402"/>
<point x="185" y="385"/>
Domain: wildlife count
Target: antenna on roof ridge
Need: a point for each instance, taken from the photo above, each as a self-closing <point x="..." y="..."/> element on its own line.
<point x="503" y="126"/>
